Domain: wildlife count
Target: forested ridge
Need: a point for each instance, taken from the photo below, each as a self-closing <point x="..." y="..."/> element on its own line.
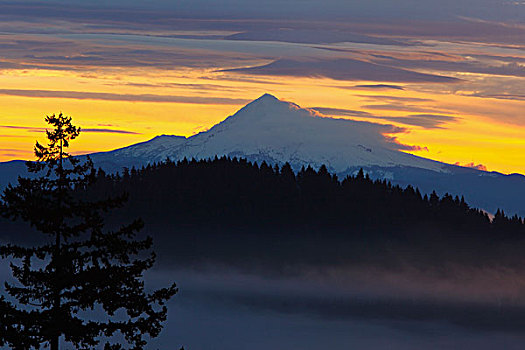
<point x="236" y="193"/>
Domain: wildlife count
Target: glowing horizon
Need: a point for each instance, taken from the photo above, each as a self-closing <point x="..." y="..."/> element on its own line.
<point x="458" y="96"/>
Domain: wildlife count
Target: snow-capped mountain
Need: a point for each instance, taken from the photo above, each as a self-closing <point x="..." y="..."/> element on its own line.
<point x="275" y="131"/>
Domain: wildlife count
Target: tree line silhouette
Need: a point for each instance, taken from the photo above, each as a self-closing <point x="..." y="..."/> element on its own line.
<point x="224" y="192"/>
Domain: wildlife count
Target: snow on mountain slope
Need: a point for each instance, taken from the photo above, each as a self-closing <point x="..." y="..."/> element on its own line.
<point x="152" y="150"/>
<point x="278" y="132"/>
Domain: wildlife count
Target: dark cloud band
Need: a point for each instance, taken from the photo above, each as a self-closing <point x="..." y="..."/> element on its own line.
<point x="427" y="121"/>
<point x="342" y="69"/>
<point x="93" y="130"/>
<point x="122" y="97"/>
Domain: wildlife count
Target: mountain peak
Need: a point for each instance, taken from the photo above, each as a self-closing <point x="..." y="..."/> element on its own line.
<point x="265" y="107"/>
<point x="267" y="97"/>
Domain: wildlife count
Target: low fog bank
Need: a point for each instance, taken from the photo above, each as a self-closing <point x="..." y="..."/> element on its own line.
<point x="221" y="308"/>
<point x="483" y="299"/>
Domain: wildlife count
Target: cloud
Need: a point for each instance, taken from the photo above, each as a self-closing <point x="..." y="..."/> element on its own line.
<point x="465" y="66"/>
<point x="110" y="131"/>
<point x="8" y="154"/>
<point x="94" y="130"/>
<point x="14" y="136"/>
<point x="404" y="147"/>
<point x="403" y="107"/>
<point x="513" y="97"/>
<point x="330" y="10"/>
<point x="427" y="121"/>
<point x="125" y="48"/>
<point x="122" y="97"/>
<point x="395" y="98"/>
<point x="204" y="87"/>
<point x="392" y="19"/>
<point x="342" y="112"/>
<point x="312" y="36"/>
<point x="13" y="150"/>
<point x="342" y="69"/>
<point x="239" y="79"/>
<point x="472" y="165"/>
<point x="130" y="53"/>
<point x="502" y="58"/>
<point x="379" y="87"/>
<point x="27" y="128"/>
<point x="507" y="94"/>
<point x="10" y="65"/>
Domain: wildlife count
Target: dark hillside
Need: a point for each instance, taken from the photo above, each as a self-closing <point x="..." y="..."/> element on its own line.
<point x="235" y="211"/>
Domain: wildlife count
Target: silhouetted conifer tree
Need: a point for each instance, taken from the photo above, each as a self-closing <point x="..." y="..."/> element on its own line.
<point x="82" y="267"/>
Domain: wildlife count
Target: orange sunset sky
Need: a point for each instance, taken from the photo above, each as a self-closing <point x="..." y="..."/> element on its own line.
<point x="455" y="84"/>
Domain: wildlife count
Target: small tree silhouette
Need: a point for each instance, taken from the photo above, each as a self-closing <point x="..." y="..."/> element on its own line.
<point x="83" y="269"/>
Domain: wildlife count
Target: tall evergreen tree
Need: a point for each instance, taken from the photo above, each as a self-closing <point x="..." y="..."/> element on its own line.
<point x="83" y="269"/>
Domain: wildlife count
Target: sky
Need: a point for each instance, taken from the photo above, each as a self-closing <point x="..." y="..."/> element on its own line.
<point x="449" y="74"/>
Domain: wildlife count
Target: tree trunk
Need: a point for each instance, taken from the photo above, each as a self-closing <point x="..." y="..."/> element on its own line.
<point x="54" y="343"/>
<point x="57" y="301"/>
